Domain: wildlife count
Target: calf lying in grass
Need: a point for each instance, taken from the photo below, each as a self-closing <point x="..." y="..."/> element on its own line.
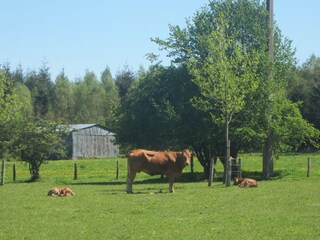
<point x="60" y="192"/>
<point x="245" y="182"/>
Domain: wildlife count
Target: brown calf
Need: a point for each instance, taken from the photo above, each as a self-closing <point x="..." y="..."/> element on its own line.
<point x="60" y="192"/>
<point x="245" y="182"/>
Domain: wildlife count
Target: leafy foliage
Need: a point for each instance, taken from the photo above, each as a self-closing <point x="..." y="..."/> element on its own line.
<point x="37" y="141"/>
<point x="225" y="44"/>
<point x="10" y="112"/>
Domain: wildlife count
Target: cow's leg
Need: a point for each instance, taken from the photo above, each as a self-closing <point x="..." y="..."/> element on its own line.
<point x="130" y="178"/>
<point x="171" y="181"/>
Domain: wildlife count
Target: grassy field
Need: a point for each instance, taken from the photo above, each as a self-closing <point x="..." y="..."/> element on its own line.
<point x="287" y="207"/>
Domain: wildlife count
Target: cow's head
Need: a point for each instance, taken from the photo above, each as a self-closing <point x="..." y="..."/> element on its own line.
<point x="185" y="157"/>
<point x="237" y="181"/>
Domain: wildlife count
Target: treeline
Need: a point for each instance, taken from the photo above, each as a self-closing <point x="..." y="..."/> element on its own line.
<point x="304" y="88"/>
<point x="103" y="100"/>
<point x="90" y="99"/>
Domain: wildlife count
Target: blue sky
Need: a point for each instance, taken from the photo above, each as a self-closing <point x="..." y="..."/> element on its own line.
<point x="80" y="35"/>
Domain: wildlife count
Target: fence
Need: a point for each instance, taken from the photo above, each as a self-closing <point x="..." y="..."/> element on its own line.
<point x="66" y="171"/>
<point x="115" y="169"/>
<point x="300" y="165"/>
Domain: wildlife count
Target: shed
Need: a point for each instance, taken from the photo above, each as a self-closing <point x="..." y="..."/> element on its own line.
<point x="92" y="141"/>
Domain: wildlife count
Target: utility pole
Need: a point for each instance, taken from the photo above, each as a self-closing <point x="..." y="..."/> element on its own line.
<point x="267" y="170"/>
<point x="271" y="27"/>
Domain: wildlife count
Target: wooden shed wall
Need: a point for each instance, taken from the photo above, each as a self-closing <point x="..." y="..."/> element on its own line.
<point x="93" y="142"/>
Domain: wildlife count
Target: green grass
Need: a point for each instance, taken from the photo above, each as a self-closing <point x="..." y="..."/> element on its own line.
<point x="288" y="207"/>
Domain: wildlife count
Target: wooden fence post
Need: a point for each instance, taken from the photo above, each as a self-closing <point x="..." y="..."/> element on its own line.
<point x="211" y="172"/>
<point x="229" y="169"/>
<point x="3" y="172"/>
<point x="117" y="171"/>
<point x="240" y="168"/>
<point x="191" y="164"/>
<point x="75" y="176"/>
<point x="309" y="167"/>
<point x="14" y="172"/>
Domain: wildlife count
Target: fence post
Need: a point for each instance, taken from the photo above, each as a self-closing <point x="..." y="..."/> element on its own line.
<point x="75" y="176"/>
<point x="211" y="172"/>
<point x="14" y="172"/>
<point x="240" y="168"/>
<point x="117" y="171"/>
<point x="229" y="168"/>
<point x="3" y="172"/>
<point x="309" y="167"/>
<point x="191" y="164"/>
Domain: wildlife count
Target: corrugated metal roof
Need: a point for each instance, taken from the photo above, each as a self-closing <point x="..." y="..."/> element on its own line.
<point x="76" y="127"/>
<point x="81" y="126"/>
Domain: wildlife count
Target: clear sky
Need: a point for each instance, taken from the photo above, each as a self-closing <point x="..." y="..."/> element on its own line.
<point x="80" y="35"/>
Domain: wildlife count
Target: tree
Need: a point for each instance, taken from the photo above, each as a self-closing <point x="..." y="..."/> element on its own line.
<point x="112" y="100"/>
<point x="38" y="139"/>
<point x="150" y="115"/>
<point x="246" y="23"/>
<point x="89" y="100"/>
<point x="10" y="112"/>
<point x="304" y="87"/>
<point x="158" y="114"/>
<point x="225" y="76"/>
<point x="63" y="99"/>
<point x="123" y="81"/>
<point x="247" y="26"/>
<point x="40" y="85"/>
<point x="24" y="96"/>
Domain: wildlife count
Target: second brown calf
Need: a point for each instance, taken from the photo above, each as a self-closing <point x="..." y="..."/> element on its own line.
<point x="60" y="192"/>
<point x="245" y="182"/>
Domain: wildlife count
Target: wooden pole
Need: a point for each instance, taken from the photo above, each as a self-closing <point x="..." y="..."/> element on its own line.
<point x="14" y="173"/>
<point x="229" y="168"/>
<point x="3" y="172"/>
<point x="309" y="167"/>
<point x="75" y="176"/>
<point x="240" y="168"/>
<point x="191" y="164"/>
<point x="117" y="171"/>
<point x="211" y="172"/>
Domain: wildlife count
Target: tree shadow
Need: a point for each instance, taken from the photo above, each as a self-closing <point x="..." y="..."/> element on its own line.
<point x="257" y="175"/>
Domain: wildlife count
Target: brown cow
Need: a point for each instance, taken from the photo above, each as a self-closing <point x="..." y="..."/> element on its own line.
<point x="155" y="163"/>
<point x="245" y="182"/>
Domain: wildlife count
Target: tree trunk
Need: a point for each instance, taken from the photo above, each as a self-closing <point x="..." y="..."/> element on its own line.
<point x="267" y="170"/>
<point x="34" y="169"/>
<point x="204" y="155"/>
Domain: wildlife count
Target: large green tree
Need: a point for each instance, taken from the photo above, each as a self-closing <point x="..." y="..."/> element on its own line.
<point x="225" y="76"/>
<point x="246" y="25"/>
<point x="158" y="114"/>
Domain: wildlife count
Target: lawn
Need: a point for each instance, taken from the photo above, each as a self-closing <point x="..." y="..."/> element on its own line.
<point x="287" y="207"/>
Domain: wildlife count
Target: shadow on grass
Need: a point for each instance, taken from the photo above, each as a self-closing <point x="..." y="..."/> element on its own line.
<point x="277" y="174"/>
<point x="189" y="177"/>
<point x="185" y="177"/>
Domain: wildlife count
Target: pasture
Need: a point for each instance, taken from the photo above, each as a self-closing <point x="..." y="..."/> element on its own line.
<point x="287" y="207"/>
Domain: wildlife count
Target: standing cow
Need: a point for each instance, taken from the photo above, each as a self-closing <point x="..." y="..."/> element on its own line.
<point x="155" y="163"/>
